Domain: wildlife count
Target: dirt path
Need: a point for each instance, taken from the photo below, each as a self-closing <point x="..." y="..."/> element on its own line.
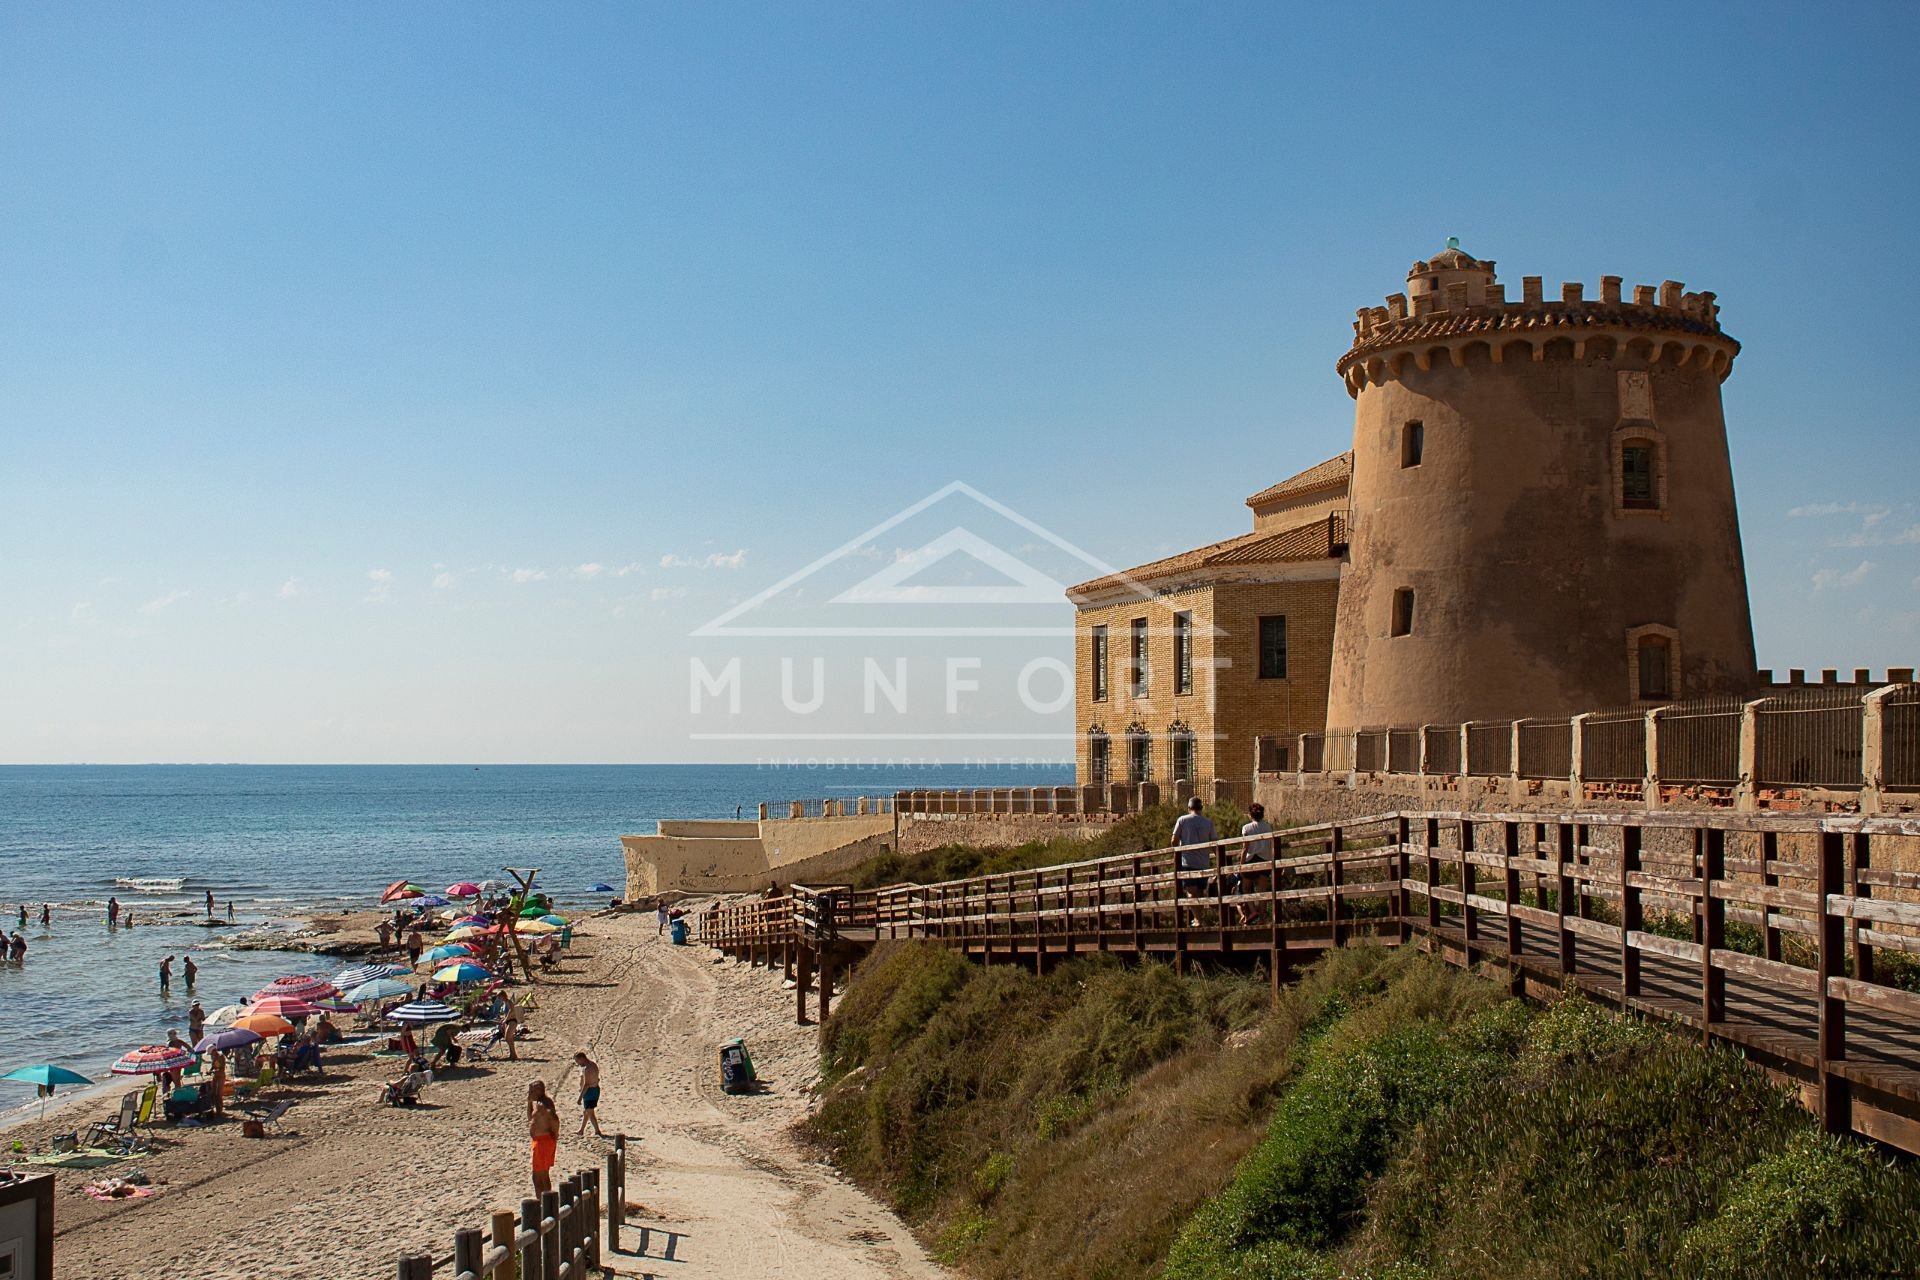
<point x="723" y="1183"/>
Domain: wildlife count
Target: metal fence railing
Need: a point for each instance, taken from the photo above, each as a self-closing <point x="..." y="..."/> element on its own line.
<point x="1613" y="746"/>
<point x="1546" y="749"/>
<point x="1313" y="751"/>
<point x="1489" y="749"/>
<point x="1403" y="751"/>
<point x="1900" y="738"/>
<point x="1442" y="748"/>
<point x="1809" y="737"/>
<point x="1370" y="750"/>
<point x="1700" y="742"/>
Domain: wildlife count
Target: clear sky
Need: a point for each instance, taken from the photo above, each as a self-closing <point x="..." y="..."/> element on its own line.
<point x="408" y="383"/>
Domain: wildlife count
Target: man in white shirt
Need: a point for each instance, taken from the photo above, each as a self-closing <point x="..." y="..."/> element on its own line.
<point x="1253" y="851"/>
<point x="1191" y="834"/>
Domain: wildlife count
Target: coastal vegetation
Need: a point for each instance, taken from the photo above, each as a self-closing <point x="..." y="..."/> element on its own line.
<point x="1390" y="1117"/>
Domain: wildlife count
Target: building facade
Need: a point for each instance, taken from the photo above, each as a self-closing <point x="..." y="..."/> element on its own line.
<point x="1206" y="664"/>
<point x="1536" y="518"/>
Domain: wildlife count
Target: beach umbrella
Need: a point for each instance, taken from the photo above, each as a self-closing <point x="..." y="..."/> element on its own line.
<point x="379" y="989"/>
<point x="348" y="979"/>
<point x="152" y="1059"/>
<point x="300" y="986"/>
<point x="430" y="900"/>
<point x="424" y="1011"/>
<point x="464" y="889"/>
<point x="449" y="951"/>
<point x="603" y="887"/>
<point x="491" y="886"/>
<point x="266" y="1024"/>
<point x="46" y="1076"/>
<point x="227" y="1013"/>
<point x="284" y="1007"/>
<point x="463" y="971"/>
<point x="335" y="1004"/>
<point x="227" y="1038"/>
<point x="466" y="931"/>
<point x="401" y="889"/>
<point x="479" y="920"/>
<point x="538" y="927"/>
<point x="532" y="911"/>
<point x="558" y="921"/>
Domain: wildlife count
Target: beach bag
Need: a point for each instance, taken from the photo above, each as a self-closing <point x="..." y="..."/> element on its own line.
<point x="679" y="933"/>
<point x="736" y="1068"/>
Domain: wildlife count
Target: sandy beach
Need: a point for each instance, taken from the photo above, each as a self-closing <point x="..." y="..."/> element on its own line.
<point x="354" y="1183"/>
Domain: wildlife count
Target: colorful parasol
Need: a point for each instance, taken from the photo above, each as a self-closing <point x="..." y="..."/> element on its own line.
<point x="424" y="1011"/>
<point x="152" y="1059"/>
<point x="265" y="1024"/>
<point x="301" y="986"/>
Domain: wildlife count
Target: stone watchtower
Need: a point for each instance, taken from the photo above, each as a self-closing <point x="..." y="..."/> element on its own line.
<point x="1542" y="505"/>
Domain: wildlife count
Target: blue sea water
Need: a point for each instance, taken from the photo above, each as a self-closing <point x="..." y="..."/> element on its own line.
<point x="280" y="842"/>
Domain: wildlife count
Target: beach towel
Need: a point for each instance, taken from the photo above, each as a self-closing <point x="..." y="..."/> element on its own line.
<point x="114" y="1189"/>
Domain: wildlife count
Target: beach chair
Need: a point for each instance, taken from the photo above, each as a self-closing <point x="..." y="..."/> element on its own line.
<point x="149" y="1107"/>
<point x="268" y="1117"/>
<point x="406" y="1091"/>
<point x="479" y="1045"/>
<point x="117" y="1134"/>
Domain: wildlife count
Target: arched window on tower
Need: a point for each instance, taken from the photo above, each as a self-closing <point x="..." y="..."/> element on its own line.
<point x="1099" y="757"/>
<point x="1653" y="658"/>
<point x="1640" y="474"/>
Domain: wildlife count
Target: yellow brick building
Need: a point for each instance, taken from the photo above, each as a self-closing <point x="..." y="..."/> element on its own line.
<point x="1198" y="666"/>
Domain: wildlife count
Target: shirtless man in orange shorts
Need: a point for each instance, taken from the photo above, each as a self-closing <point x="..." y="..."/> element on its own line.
<point x="543" y="1126"/>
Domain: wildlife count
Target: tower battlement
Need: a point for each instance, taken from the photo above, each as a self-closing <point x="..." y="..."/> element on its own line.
<point x="1456" y="309"/>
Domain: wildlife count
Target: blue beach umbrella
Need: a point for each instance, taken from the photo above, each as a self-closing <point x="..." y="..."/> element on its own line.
<point x="603" y="887"/>
<point x="378" y="989"/>
<point x="449" y="951"/>
<point x="46" y="1076"/>
<point x="559" y="921"/>
<point x="424" y="1011"/>
<point x="431" y="900"/>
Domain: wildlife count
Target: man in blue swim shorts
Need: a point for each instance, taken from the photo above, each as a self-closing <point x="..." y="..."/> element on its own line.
<point x="589" y="1093"/>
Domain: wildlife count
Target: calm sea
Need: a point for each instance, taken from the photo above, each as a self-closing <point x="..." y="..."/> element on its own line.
<point x="281" y="841"/>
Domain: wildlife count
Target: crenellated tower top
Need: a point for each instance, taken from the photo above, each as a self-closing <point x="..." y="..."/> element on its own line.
<point x="1456" y="309"/>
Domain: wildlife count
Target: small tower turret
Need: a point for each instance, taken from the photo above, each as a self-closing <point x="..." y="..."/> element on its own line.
<point x="1543" y="515"/>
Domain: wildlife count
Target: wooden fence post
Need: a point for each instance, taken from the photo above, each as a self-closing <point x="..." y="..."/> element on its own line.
<point x="529" y="1239"/>
<point x="1836" y="1097"/>
<point x="1510" y="850"/>
<point x="1469" y="881"/>
<point x="1862" y="952"/>
<point x="1713" y="922"/>
<point x="466" y="1252"/>
<point x="1403" y="866"/>
<point x="550" y="1235"/>
<point x="1563" y="894"/>
<point x="1336" y="841"/>
<point x="803" y="970"/>
<point x="417" y="1267"/>
<point x="503" y="1225"/>
<point x="616" y="1196"/>
<point x="1769" y="914"/>
<point x="1433" y="878"/>
<point x="1630" y="920"/>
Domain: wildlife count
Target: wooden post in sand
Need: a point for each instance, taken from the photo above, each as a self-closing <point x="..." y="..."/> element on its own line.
<point x="549" y="1236"/>
<point x="503" y="1225"/>
<point x="416" y="1268"/>
<point x="616" y="1190"/>
<point x="529" y="1239"/>
<point x="803" y="979"/>
<point x="826" y="985"/>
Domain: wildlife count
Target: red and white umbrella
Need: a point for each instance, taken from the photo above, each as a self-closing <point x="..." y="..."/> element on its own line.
<point x="283" y="1007"/>
<point x="152" y="1059"/>
<point x="300" y="986"/>
<point x="465" y="889"/>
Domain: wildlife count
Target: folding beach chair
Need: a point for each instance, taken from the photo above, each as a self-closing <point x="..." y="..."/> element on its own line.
<point x="118" y="1134"/>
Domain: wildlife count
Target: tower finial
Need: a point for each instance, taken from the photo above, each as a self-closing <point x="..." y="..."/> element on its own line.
<point x="1453" y="242"/>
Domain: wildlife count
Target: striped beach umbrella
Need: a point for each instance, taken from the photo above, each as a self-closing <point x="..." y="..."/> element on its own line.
<point x="283" y="1007"/>
<point x="152" y="1059"/>
<point x="379" y="989"/>
<point x="424" y="1011"/>
<point x="463" y="971"/>
<point x="334" y="1004"/>
<point x="347" y="979"/>
<point x="301" y="986"/>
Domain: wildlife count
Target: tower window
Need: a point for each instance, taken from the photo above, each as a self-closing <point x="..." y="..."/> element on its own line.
<point x="1137" y="677"/>
<point x="1654" y="656"/>
<point x="1180" y="750"/>
<point x="1403" y="611"/>
<point x="1413" y="442"/>
<point x="1638" y="491"/>
<point x="1098" y="660"/>
<point x="1139" y="756"/>
<point x="1183" y="653"/>
<point x="1273" y="647"/>
<point x="1099" y="758"/>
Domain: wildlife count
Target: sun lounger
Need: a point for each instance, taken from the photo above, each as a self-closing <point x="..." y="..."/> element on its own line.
<point x="406" y="1091"/>
<point x="119" y="1132"/>
<point x="268" y="1117"/>
<point x="478" y="1045"/>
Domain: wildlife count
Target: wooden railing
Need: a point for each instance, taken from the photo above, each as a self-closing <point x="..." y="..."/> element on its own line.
<point x="1634" y="909"/>
<point x="557" y="1237"/>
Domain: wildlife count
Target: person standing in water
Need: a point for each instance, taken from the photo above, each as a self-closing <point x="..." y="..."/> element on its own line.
<point x="191" y="970"/>
<point x="113" y="912"/>
<point x="209" y="902"/>
<point x="46" y="915"/>
<point x="166" y="976"/>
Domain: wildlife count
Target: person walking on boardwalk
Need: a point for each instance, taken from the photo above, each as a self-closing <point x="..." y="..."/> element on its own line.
<point x="543" y="1127"/>
<point x="166" y="975"/>
<point x="1192" y="833"/>
<point x="1255" y="851"/>
<point x="589" y="1094"/>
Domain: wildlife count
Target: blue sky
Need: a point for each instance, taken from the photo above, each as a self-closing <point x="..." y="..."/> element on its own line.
<point x="337" y="344"/>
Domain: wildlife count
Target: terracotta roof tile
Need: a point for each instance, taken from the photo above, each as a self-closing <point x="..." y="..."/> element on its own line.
<point x="1323" y="476"/>
<point x="1311" y="541"/>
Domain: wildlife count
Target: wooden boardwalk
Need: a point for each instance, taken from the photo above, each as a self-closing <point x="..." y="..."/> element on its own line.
<point x="1635" y="910"/>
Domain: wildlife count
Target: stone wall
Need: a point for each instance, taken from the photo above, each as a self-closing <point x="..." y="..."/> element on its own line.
<point x="921" y="832"/>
